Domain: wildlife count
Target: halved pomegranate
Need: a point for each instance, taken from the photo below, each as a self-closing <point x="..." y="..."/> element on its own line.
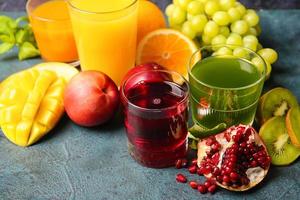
<point x="236" y="159"/>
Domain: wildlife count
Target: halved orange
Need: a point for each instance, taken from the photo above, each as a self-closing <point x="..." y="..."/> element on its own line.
<point x="167" y="47"/>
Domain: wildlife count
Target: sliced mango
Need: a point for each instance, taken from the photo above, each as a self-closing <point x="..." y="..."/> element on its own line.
<point x="31" y="103"/>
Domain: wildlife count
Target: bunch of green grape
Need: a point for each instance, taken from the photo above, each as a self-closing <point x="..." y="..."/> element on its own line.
<point x="218" y="22"/>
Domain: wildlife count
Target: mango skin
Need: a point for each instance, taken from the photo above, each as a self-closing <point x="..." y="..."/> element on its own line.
<point x="31" y="103"/>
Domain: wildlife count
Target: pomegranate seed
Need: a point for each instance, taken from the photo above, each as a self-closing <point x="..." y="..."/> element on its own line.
<point x="227" y="136"/>
<point x="200" y="171"/>
<point x="202" y="189"/>
<point x="209" y="142"/>
<point x="226" y="179"/>
<point x="184" y="162"/>
<point x="253" y="163"/>
<point x="181" y="178"/>
<point x="208" y="169"/>
<point x="212" y="188"/>
<point x="243" y="144"/>
<point x="215" y="146"/>
<point x="261" y="159"/>
<point x="216" y="171"/>
<point x="207" y="183"/>
<point x="193" y="169"/>
<point x="193" y="184"/>
<point x="234" y="176"/>
<point x="228" y="170"/>
<point x="178" y="164"/>
<point x="194" y="161"/>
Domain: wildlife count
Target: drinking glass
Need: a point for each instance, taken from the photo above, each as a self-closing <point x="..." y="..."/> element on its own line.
<point x="105" y="34"/>
<point x="155" y="105"/>
<point x="52" y="29"/>
<point x="226" y="82"/>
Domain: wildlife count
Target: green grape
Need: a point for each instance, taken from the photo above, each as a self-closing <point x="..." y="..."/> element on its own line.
<point x="176" y="2"/>
<point x="188" y="30"/>
<point x="224" y="30"/>
<point x="211" y="7"/>
<point x="234" y="39"/>
<point x="241" y="8"/>
<point x="251" y="18"/>
<point x="211" y="29"/>
<point x="206" y="39"/>
<point x="169" y="10"/>
<point x="251" y="46"/>
<point x="189" y="17"/>
<point x="195" y="8"/>
<point x="184" y="3"/>
<point x="259" y="46"/>
<point x="252" y="31"/>
<point x="199" y="22"/>
<point x="203" y="1"/>
<point x="241" y="27"/>
<point x="223" y="51"/>
<point x="269" y="69"/>
<point x="234" y="14"/>
<point x="250" y="11"/>
<point x="241" y="53"/>
<point x="270" y="55"/>
<point x="178" y="15"/>
<point x="259" y="63"/>
<point x="221" y="18"/>
<point x="250" y="39"/>
<point x="219" y="39"/>
<point x="258" y="29"/>
<point x="226" y="4"/>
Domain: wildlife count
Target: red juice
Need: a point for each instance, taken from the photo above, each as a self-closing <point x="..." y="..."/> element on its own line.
<point x="156" y="115"/>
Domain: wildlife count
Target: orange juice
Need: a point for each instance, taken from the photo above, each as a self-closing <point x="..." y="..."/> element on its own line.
<point x="52" y="29"/>
<point x="105" y="33"/>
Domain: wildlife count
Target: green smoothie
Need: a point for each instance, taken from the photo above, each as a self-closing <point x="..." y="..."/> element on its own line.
<point x="224" y="90"/>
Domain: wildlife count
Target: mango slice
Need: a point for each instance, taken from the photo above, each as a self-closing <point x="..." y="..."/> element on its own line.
<point x="31" y="103"/>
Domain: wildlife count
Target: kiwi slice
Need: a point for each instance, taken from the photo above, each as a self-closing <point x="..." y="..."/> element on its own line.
<point x="278" y="143"/>
<point x="293" y="125"/>
<point x="276" y="102"/>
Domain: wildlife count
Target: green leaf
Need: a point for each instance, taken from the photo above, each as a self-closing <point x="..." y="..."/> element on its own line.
<point x="201" y="132"/>
<point x="5" y="47"/>
<point x="22" y="19"/>
<point x="28" y="50"/>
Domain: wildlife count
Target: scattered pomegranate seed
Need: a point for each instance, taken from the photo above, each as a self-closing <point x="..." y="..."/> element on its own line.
<point x="181" y="178"/>
<point x="207" y="183"/>
<point x="193" y="184"/>
<point x="202" y="189"/>
<point x="178" y="164"/>
<point x="193" y="169"/>
<point x="212" y="189"/>
<point x="195" y="161"/>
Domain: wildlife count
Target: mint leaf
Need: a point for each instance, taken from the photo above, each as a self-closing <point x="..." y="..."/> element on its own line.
<point x="5" y="47"/>
<point x="28" y="50"/>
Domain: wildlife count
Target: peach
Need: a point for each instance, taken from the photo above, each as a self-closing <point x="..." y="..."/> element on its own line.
<point x="91" y="98"/>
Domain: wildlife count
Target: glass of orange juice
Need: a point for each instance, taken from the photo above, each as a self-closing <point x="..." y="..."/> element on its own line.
<point x="105" y="33"/>
<point x="52" y="29"/>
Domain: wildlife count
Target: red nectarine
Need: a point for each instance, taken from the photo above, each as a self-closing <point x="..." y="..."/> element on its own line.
<point x="91" y="98"/>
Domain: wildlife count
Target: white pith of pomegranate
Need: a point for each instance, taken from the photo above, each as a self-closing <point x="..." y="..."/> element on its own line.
<point x="236" y="159"/>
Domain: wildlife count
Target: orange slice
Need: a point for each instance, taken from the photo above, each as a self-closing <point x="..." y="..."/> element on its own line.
<point x="167" y="47"/>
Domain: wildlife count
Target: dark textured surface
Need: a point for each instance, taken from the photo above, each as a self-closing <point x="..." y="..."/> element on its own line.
<point x="79" y="163"/>
<point x="19" y="5"/>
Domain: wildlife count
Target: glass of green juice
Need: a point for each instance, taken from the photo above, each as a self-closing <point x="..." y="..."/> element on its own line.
<point x="226" y="82"/>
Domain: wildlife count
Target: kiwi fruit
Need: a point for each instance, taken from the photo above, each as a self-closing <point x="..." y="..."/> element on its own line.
<point x="293" y="125"/>
<point x="276" y="102"/>
<point x="278" y="143"/>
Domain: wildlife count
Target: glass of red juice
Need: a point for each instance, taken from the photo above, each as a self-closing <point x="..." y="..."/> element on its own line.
<point x="155" y="104"/>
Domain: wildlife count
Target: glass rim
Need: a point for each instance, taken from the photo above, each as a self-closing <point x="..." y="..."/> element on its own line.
<point x="262" y="78"/>
<point x="30" y="13"/>
<point x="156" y="110"/>
<point x="99" y="12"/>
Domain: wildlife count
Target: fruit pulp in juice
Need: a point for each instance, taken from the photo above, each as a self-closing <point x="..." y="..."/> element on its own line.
<point x="212" y="105"/>
<point x="53" y="31"/>
<point x="106" y="39"/>
<point x="156" y="138"/>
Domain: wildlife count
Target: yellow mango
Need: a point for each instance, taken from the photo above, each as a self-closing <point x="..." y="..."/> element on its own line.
<point x="31" y="103"/>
